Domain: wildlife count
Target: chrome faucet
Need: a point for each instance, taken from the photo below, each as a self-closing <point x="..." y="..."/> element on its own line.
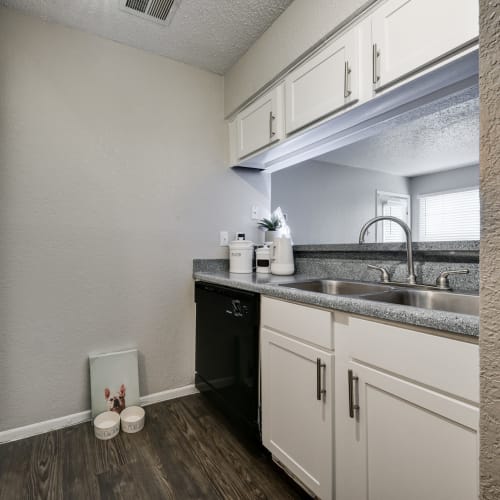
<point x="411" y="279"/>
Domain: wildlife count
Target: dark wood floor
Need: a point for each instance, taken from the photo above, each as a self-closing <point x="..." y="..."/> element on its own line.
<point x="186" y="450"/>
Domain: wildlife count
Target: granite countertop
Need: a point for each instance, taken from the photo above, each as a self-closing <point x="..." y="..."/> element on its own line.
<point x="267" y="284"/>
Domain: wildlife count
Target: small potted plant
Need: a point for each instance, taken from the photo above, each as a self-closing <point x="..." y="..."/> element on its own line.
<point x="270" y="226"/>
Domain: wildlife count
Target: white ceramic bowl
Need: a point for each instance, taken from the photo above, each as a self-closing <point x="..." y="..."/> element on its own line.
<point x="107" y="425"/>
<point x="132" y="419"/>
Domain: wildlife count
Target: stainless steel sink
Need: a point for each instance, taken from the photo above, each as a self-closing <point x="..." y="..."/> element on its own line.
<point x="427" y="299"/>
<point x="392" y="293"/>
<point x="336" y="287"/>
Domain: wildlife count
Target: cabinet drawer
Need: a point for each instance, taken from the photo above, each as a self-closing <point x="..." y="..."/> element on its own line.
<point x="312" y="325"/>
<point x="433" y="361"/>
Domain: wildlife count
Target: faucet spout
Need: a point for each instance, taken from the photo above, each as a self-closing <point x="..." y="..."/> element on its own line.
<point x="411" y="279"/>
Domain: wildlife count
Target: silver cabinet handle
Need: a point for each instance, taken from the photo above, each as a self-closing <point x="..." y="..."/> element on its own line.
<point x="271" y="119"/>
<point x="319" y="390"/>
<point x="375" y="56"/>
<point x="384" y="274"/>
<point x="351" y="379"/>
<point x="347" y="80"/>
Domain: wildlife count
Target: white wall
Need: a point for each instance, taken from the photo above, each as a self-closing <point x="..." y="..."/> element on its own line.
<point x="330" y="203"/>
<point x="302" y="25"/>
<point x="112" y="180"/>
<point x="457" y="178"/>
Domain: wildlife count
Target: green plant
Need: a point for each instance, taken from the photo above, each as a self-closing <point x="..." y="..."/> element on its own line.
<point x="271" y="224"/>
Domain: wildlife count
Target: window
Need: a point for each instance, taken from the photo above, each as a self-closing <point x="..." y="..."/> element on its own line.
<point x="448" y="216"/>
<point x="395" y="205"/>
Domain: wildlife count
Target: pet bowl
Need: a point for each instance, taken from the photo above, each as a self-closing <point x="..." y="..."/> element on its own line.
<point x="107" y="425"/>
<point x="132" y="419"/>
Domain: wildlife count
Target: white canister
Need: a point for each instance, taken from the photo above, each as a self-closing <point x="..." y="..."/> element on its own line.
<point x="241" y="256"/>
<point x="263" y="259"/>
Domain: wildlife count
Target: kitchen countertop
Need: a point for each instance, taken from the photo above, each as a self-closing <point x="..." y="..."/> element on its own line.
<point x="268" y="285"/>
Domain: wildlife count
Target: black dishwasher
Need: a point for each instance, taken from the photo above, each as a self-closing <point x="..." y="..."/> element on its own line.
<point x="227" y="350"/>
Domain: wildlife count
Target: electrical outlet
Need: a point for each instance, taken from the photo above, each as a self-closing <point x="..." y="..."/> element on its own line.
<point x="223" y="239"/>
<point x="255" y="212"/>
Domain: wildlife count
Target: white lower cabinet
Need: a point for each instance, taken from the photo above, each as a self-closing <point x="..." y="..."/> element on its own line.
<point x="400" y="435"/>
<point x="398" y="409"/>
<point x="405" y="442"/>
<point x="297" y="409"/>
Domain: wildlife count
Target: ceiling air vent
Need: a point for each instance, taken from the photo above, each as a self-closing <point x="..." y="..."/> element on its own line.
<point x="160" y="11"/>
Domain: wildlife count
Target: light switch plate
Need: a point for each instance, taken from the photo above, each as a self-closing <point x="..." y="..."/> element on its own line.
<point x="223" y="239"/>
<point x="255" y="212"/>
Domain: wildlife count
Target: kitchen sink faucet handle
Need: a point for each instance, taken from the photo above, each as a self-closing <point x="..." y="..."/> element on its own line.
<point x="384" y="273"/>
<point x="442" y="280"/>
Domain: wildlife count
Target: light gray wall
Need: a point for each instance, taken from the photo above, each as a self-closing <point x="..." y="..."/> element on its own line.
<point x="489" y="338"/>
<point x="302" y="25"/>
<point x="329" y="203"/>
<point x="112" y="180"/>
<point x="448" y="180"/>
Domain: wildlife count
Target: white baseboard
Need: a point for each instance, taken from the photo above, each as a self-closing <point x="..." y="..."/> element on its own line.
<point x="45" y="426"/>
<point x="84" y="416"/>
<point x="158" y="397"/>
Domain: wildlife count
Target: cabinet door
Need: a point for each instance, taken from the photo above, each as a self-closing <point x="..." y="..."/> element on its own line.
<point x="405" y="441"/>
<point x="408" y="34"/>
<point x="297" y="427"/>
<point x="260" y="124"/>
<point x="323" y="84"/>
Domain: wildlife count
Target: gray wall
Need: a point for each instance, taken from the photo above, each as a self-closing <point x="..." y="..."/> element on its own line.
<point x="489" y="339"/>
<point x="440" y="181"/>
<point x="112" y="180"/>
<point x="329" y="203"/>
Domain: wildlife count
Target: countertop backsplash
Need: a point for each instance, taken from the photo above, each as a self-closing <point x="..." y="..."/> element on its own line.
<point x="351" y="261"/>
<point x="426" y="272"/>
<point x="210" y="265"/>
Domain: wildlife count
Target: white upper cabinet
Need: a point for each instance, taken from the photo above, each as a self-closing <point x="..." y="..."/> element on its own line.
<point x="409" y="34"/>
<point x="393" y="41"/>
<point x="323" y="84"/>
<point x="261" y="123"/>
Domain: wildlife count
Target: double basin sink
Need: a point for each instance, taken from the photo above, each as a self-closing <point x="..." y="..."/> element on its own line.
<point x="419" y="296"/>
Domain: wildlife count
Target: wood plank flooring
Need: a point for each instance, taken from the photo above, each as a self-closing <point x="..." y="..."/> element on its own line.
<point x="187" y="450"/>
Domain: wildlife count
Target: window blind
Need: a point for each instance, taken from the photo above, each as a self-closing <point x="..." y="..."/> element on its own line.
<point x="449" y="216"/>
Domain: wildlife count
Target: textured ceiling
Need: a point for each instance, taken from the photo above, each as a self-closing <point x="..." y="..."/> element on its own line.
<point x="210" y="34"/>
<point x="435" y="137"/>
